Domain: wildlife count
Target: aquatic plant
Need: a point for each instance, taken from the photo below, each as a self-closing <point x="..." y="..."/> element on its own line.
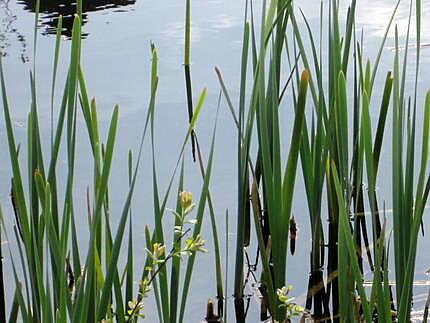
<point x="55" y="279"/>
<point x="334" y="159"/>
<point x="283" y="66"/>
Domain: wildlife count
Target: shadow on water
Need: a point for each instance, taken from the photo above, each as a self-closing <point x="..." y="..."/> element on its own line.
<point x="51" y="9"/>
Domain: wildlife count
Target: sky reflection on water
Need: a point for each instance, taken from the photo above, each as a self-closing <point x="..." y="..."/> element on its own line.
<point x="116" y="61"/>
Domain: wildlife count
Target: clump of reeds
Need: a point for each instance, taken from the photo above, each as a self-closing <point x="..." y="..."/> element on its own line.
<point x="55" y="278"/>
<point x="334" y="158"/>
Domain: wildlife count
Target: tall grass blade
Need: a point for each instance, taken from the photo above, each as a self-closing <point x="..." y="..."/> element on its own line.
<point x="197" y="227"/>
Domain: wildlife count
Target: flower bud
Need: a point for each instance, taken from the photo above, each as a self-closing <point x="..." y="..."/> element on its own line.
<point x="186" y="199"/>
<point x="158" y="250"/>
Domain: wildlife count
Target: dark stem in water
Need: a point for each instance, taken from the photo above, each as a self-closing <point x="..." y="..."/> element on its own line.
<point x="190" y="107"/>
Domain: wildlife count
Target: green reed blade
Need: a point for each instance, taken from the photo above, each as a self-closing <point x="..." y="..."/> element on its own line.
<point x="117" y="287"/>
<point x="291" y="167"/>
<point x="348" y="246"/>
<point x="197" y="227"/>
<point x="406" y="293"/>
<point x="176" y="261"/>
<point x="17" y="181"/>
<point x="101" y="193"/>
<point x="377" y="145"/>
<point x="54" y="72"/>
<point x="159" y="235"/>
<point x="35" y="31"/>
<point x="418" y="46"/>
<point x="191" y="127"/>
<point x="217" y="256"/>
<point x="148" y="241"/>
<point x="350" y="21"/>
<point x="187" y="32"/>
<point x="87" y="113"/>
<point x="304" y="57"/>
<point x="20" y="299"/>
<point x="341" y="125"/>
<point x="397" y="171"/>
<point x="111" y="271"/>
<point x="130" y="261"/>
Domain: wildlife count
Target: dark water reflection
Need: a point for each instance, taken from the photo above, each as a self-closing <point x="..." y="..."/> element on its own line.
<point x="51" y="9"/>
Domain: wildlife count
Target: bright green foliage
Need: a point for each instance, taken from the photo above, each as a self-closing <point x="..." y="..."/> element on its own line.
<point x="332" y="134"/>
<point x="61" y="281"/>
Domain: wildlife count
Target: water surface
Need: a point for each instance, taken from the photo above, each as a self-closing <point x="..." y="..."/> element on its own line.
<point x="116" y="61"/>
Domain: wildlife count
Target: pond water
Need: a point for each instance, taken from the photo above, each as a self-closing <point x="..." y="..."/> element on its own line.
<point x="116" y="61"/>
